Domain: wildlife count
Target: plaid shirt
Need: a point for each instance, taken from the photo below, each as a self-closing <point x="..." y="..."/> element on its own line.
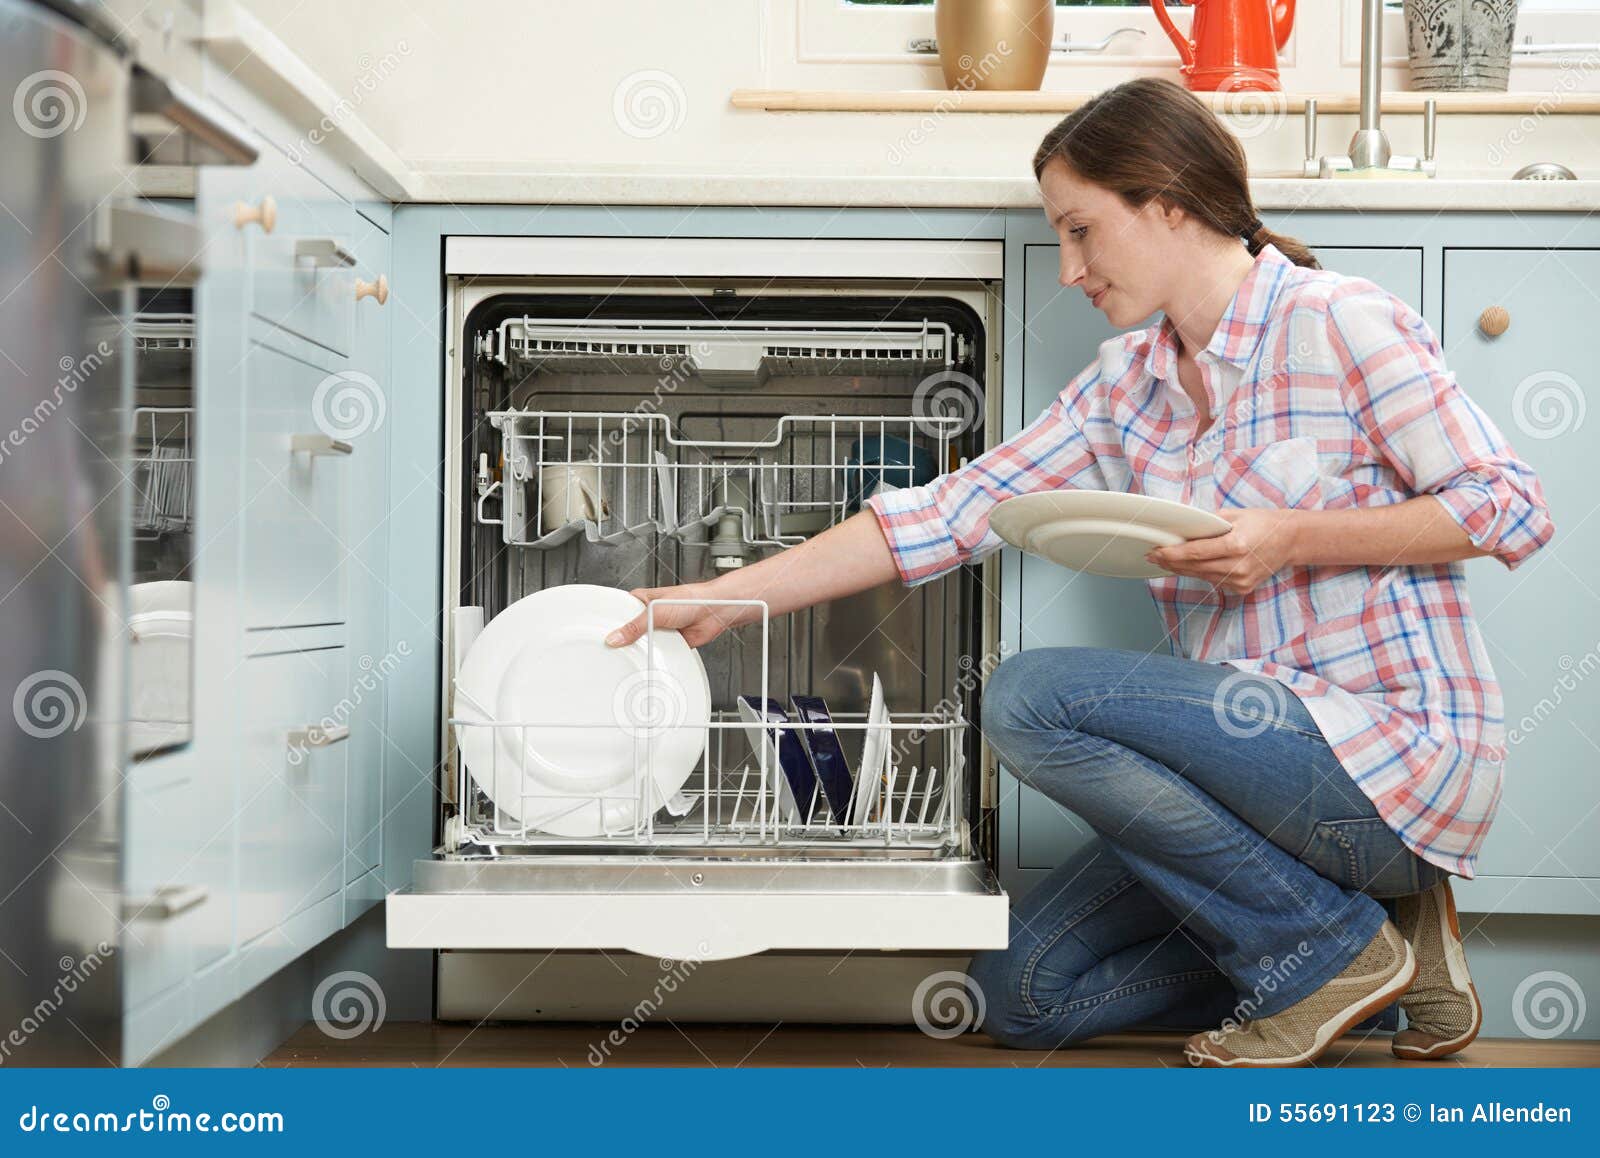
<point x="1328" y="393"/>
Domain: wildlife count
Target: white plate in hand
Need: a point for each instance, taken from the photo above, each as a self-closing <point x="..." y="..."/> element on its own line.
<point x="609" y="742"/>
<point x="1101" y="532"/>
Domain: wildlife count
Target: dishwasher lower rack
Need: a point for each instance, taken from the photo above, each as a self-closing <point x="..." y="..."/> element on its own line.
<point x="723" y="874"/>
<point x="736" y="802"/>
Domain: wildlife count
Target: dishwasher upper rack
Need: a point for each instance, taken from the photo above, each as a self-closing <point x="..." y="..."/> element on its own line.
<point x="619" y="475"/>
<point x="723" y="349"/>
<point x="734" y="800"/>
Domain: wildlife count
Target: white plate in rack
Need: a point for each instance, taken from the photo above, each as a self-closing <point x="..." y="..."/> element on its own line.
<point x="1101" y="532"/>
<point x="874" y="755"/>
<point x="592" y="739"/>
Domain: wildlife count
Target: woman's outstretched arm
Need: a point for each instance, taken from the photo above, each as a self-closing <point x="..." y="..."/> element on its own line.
<point x="843" y="560"/>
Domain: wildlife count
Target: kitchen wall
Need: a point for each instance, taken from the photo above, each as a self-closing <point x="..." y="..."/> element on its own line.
<point x="613" y="86"/>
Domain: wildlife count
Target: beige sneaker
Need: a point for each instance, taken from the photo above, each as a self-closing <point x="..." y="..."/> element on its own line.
<point x="1303" y="1032"/>
<point x="1443" y="1013"/>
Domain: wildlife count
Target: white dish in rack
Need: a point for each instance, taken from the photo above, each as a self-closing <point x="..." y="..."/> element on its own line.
<point x="1101" y="532"/>
<point x="588" y="740"/>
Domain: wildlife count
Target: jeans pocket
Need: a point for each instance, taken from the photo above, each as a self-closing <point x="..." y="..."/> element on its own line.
<point x="1362" y="854"/>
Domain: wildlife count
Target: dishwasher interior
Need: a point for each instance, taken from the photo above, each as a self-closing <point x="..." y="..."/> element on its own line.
<point x="650" y="435"/>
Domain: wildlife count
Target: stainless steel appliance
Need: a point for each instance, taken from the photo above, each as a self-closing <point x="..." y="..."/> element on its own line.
<point x="92" y="298"/>
<point x="727" y="394"/>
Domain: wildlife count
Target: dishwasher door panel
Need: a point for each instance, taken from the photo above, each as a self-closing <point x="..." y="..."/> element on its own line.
<point x="701" y="911"/>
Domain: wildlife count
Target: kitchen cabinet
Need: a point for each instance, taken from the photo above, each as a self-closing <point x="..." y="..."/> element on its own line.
<point x="1055" y="333"/>
<point x="266" y="832"/>
<point x="1541" y="622"/>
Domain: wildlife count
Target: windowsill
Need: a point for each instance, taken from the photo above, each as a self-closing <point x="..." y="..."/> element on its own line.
<point x="1050" y="101"/>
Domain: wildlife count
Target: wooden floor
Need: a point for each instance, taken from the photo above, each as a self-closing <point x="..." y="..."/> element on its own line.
<point x="669" y="1044"/>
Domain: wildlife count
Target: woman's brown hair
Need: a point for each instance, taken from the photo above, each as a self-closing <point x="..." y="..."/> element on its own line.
<point x="1150" y="138"/>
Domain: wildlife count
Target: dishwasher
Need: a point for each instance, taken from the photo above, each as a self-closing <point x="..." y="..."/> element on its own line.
<point x="727" y="399"/>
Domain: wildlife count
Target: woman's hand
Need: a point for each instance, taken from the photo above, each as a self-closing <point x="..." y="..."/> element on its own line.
<point x="700" y="625"/>
<point x="1261" y="543"/>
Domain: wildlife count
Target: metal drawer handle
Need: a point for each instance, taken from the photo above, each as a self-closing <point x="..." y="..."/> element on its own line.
<point x="165" y="903"/>
<point x="319" y="444"/>
<point x="373" y="289"/>
<point x="324" y="253"/>
<point x="263" y="213"/>
<point x="1494" y="321"/>
<point x="317" y="736"/>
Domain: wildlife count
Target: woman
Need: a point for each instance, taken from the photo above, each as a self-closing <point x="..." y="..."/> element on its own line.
<point x="1328" y="732"/>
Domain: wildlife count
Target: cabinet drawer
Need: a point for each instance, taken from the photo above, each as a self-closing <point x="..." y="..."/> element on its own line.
<point x="302" y="278"/>
<point x="291" y="786"/>
<point x="295" y="508"/>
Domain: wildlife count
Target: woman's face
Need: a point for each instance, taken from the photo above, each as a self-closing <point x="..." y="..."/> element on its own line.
<point x="1119" y="256"/>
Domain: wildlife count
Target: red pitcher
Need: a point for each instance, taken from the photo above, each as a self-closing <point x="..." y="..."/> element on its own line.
<point x="1236" y="43"/>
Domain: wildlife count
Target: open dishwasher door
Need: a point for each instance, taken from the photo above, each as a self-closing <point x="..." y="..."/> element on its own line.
<point x="713" y="419"/>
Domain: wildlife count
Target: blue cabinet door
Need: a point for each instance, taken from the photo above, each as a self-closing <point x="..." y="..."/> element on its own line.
<point x="1541" y="622"/>
<point x="1057" y="333"/>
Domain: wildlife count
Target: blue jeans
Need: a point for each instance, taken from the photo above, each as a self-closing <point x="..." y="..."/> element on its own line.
<point x="1234" y="864"/>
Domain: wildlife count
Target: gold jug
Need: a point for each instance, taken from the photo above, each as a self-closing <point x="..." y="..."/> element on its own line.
<point x="994" y="44"/>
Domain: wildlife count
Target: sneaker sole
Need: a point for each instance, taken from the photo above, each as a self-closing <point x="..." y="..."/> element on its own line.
<point x="1456" y="960"/>
<point x="1330" y="1031"/>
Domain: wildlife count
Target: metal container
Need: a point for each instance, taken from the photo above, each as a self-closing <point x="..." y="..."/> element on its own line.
<point x="994" y="44"/>
<point x="1460" y="45"/>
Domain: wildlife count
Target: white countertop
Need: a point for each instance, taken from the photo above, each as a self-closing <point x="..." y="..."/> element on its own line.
<point x="644" y="187"/>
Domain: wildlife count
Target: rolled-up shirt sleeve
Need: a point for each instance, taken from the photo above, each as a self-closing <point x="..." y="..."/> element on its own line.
<point x="936" y="527"/>
<point x="1438" y="440"/>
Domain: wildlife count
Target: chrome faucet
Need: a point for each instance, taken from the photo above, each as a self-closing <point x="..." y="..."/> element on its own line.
<point x="1369" y="148"/>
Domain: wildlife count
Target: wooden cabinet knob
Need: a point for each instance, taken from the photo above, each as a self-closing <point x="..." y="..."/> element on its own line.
<point x="1494" y="321"/>
<point x="263" y="213"/>
<point x="373" y="289"/>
